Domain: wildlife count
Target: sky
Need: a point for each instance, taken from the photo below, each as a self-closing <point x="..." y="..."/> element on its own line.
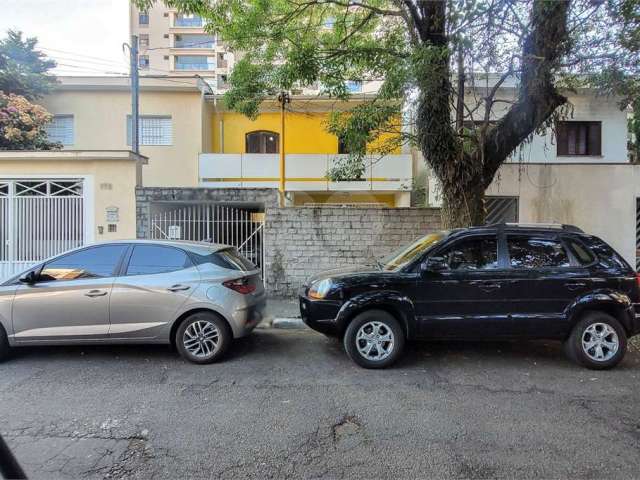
<point x="84" y="36"/>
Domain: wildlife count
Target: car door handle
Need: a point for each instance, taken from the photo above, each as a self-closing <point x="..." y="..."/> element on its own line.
<point x="95" y="293"/>
<point x="575" y="285"/>
<point x="178" y="288"/>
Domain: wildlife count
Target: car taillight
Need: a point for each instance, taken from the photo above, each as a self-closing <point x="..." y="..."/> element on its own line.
<point x="638" y="279"/>
<point x="240" y="285"/>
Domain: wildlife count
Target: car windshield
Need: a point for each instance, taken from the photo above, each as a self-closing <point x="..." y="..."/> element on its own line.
<point x="405" y="255"/>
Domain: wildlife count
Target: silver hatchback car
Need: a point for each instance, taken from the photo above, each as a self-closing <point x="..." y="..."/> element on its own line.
<point x="196" y="296"/>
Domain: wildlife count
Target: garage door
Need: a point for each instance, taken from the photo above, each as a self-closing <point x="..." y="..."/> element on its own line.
<point x="39" y="218"/>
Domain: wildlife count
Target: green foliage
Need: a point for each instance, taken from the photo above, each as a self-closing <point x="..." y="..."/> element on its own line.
<point x="22" y="125"/>
<point x="23" y="69"/>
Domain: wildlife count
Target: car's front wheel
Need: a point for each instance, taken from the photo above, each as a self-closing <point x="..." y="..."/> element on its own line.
<point x="598" y="341"/>
<point x="374" y="339"/>
<point x="5" y="349"/>
<point x="203" y="337"/>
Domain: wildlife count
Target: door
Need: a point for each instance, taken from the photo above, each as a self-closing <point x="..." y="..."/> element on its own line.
<point x="545" y="281"/>
<point x="70" y="300"/>
<point x="466" y="300"/>
<point x="157" y="281"/>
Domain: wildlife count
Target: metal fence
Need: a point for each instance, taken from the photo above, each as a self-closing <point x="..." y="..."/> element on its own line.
<point x="237" y="227"/>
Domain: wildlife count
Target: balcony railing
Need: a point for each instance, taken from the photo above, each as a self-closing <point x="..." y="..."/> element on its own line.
<point x="188" y="22"/>
<point x="303" y="172"/>
<point x="195" y="66"/>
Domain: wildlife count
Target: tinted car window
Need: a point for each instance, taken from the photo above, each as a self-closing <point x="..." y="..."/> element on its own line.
<point x="228" y="258"/>
<point x="607" y="257"/>
<point x="94" y="262"/>
<point x="580" y="251"/>
<point x="150" y="259"/>
<point x="536" y="252"/>
<point x="480" y="253"/>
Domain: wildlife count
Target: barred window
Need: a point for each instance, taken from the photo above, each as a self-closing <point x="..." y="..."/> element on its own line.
<point x="152" y="130"/>
<point x="60" y="129"/>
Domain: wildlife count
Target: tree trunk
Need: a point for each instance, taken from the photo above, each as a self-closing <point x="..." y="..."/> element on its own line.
<point x="462" y="205"/>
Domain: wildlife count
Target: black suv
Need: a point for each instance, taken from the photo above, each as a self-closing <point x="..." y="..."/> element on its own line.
<point x="502" y="281"/>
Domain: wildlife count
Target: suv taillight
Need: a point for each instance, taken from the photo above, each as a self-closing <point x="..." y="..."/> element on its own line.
<point x="638" y="279"/>
<point x="240" y="285"/>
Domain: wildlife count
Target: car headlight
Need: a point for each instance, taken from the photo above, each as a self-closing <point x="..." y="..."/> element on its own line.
<point x="320" y="290"/>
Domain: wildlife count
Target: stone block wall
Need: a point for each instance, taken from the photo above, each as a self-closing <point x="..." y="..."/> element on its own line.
<point x="302" y="241"/>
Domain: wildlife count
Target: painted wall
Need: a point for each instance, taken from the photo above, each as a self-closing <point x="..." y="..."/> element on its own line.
<point x="100" y="124"/>
<point x="600" y="199"/>
<point x="111" y="183"/>
<point x="304" y="132"/>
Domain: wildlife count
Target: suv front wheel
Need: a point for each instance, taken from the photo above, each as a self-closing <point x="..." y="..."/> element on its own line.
<point x="374" y="339"/>
<point x="598" y="341"/>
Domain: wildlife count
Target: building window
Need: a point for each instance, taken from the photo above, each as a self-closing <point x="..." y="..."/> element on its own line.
<point x="353" y="86"/>
<point x="195" y="62"/>
<point x="152" y="130"/>
<point x="143" y="19"/>
<point x="262" y="142"/>
<point x="342" y="146"/>
<point x="60" y="129"/>
<point x="143" y="41"/>
<point x="188" y="20"/>
<point x="579" y="138"/>
<point x="143" y="61"/>
<point x="194" y="41"/>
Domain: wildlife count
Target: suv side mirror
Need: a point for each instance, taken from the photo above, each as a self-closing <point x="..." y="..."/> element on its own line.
<point x="434" y="264"/>
<point x="30" y="278"/>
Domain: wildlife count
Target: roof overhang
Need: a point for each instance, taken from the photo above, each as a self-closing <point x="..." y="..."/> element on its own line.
<point x="122" y="83"/>
<point x="72" y="155"/>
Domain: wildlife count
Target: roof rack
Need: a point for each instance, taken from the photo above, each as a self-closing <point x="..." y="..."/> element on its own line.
<point x="559" y="226"/>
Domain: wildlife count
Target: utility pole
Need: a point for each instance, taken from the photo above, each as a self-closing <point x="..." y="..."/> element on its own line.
<point x="283" y="99"/>
<point x="135" y="92"/>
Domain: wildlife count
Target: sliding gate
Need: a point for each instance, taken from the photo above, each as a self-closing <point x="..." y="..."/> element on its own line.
<point x="241" y="228"/>
<point x="38" y="219"/>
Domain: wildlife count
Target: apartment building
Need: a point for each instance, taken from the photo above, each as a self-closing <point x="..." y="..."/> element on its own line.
<point x="177" y="44"/>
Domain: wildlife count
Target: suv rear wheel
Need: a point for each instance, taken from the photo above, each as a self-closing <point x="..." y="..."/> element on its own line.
<point x="598" y="341"/>
<point x="374" y="339"/>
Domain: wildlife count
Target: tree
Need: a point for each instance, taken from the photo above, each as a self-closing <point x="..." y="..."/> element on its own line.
<point x="22" y="125"/>
<point x="23" y="69"/>
<point x="415" y="47"/>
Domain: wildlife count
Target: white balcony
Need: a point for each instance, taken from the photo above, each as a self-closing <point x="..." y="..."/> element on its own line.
<point x="391" y="173"/>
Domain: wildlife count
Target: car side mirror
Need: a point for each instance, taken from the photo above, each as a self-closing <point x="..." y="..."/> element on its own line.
<point x="434" y="264"/>
<point x="30" y="278"/>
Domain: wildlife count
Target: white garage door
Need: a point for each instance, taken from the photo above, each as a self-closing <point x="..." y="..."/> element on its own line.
<point x="39" y="218"/>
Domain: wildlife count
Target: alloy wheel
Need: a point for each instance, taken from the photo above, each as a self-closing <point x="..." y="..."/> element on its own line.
<point x="375" y="341"/>
<point x="201" y="339"/>
<point x="600" y="342"/>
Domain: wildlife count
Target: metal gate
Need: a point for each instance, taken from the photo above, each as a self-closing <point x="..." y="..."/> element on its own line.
<point x="38" y="219"/>
<point x="240" y="228"/>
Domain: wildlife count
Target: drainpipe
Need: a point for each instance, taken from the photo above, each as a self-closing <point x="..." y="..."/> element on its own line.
<point x="283" y="99"/>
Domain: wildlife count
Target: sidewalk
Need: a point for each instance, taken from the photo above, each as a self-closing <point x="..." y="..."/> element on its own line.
<point x="282" y="313"/>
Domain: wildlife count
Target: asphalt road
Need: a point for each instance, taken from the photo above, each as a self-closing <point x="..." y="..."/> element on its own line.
<point x="289" y="404"/>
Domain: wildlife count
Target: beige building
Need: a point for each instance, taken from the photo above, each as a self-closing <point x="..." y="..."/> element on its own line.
<point x="175" y="44"/>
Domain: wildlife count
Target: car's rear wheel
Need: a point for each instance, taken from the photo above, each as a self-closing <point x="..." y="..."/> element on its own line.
<point x="598" y="341"/>
<point x="374" y="339"/>
<point x="203" y="337"/>
<point x="5" y="349"/>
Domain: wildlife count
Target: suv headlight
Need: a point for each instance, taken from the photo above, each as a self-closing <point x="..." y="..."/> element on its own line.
<point x="320" y="290"/>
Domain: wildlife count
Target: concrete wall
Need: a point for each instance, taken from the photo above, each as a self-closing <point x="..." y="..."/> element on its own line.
<point x="108" y="183"/>
<point x="100" y="123"/>
<point x="599" y="198"/>
<point x="302" y="241"/>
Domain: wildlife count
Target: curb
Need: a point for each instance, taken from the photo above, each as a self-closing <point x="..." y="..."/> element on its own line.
<point x="288" y="323"/>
